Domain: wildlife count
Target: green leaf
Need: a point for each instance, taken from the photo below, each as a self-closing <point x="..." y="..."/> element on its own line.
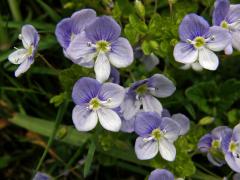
<point x="131" y="34"/>
<point x="89" y="159"/>
<point x="138" y="24"/>
<point x="5" y="161"/>
<point x="233" y="116"/>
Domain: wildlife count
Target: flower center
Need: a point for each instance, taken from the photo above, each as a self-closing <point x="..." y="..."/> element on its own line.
<point x="30" y="51"/>
<point x="215" y="144"/>
<point x="199" y="42"/>
<point x="224" y="25"/>
<point x="232" y="146"/>
<point x="142" y="89"/>
<point x="157" y="134"/>
<point x="94" y="104"/>
<point x="103" y="46"/>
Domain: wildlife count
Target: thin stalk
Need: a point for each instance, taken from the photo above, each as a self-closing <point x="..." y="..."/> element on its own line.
<point x="46" y="61"/>
<point x="14" y="7"/>
<point x="155" y="6"/>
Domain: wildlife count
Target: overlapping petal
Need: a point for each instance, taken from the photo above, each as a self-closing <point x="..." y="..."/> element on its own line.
<point x="29" y="36"/>
<point x="18" y="56"/>
<point x="24" y="67"/>
<point x="221" y="8"/>
<point x="183" y="121"/>
<point x="161" y="174"/>
<point x="170" y="128"/>
<point x="233" y="162"/>
<point x="151" y="104"/>
<point x="102" y="67"/>
<point x="205" y="143"/>
<point x="167" y="149"/>
<point x="208" y="59"/>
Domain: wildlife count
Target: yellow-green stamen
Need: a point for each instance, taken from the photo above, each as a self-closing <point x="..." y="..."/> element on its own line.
<point x="94" y="104"/>
<point x="103" y="46"/>
<point x="157" y="134"/>
<point x="199" y="42"/>
<point x="142" y="89"/>
<point x="215" y="144"/>
<point x="224" y="24"/>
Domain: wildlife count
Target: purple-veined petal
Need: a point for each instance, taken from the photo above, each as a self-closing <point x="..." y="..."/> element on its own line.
<point x="226" y="139"/>
<point x="220" y="132"/>
<point x="103" y="28"/>
<point x="229" y="49"/>
<point x="183" y="121"/>
<point x="233" y="15"/>
<point x="84" y="90"/>
<point x="236" y="133"/>
<point x="167" y="149"/>
<point x="63" y="32"/>
<point x="221" y="8"/>
<point x="215" y="161"/>
<point x="185" y="53"/>
<point x="29" y="36"/>
<point x="121" y="54"/>
<point x="236" y="40"/>
<point x="219" y="38"/>
<point x="146" y="122"/>
<point x="109" y="119"/>
<point x="208" y="59"/>
<point x="81" y="19"/>
<point x="145" y="150"/>
<point x="83" y="118"/>
<point x="162" y="86"/>
<point x="170" y="128"/>
<point x="151" y="104"/>
<point x="80" y="47"/>
<point x="102" y="67"/>
<point x="112" y="94"/>
<point x="192" y="26"/>
<point x="23" y="67"/>
<point x="205" y="143"/>
<point x="18" y="56"/>
<point x="234" y="163"/>
<point x="161" y="174"/>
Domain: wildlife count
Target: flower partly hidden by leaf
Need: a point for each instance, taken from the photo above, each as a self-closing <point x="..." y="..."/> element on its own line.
<point x="95" y="101"/>
<point x="101" y="41"/>
<point x="231" y="148"/>
<point x="25" y="56"/>
<point x="143" y="93"/>
<point x="161" y="174"/>
<point x="41" y="176"/>
<point x="228" y="17"/>
<point x="68" y="28"/>
<point x="156" y="134"/>
<point x="211" y="144"/>
<point x="198" y="41"/>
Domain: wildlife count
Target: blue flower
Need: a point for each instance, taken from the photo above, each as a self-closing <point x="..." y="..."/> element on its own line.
<point x="41" y="176"/>
<point x="143" y="93"/>
<point x="156" y="134"/>
<point x="161" y="174"/>
<point x="228" y="17"/>
<point x="211" y="144"/>
<point x="25" y="56"/>
<point x="68" y="28"/>
<point x="95" y="101"/>
<point x="101" y="41"/>
<point x="198" y="41"/>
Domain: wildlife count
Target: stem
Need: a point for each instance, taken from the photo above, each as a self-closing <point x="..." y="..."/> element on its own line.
<point x="45" y="60"/>
<point x="206" y="170"/>
<point x="156" y="6"/>
<point x="14" y="7"/>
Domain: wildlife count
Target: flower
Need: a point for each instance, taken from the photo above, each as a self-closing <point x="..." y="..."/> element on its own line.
<point x="68" y="28"/>
<point x="231" y="148"/>
<point x="228" y="17"/>
<point x="25" y="56"/>
<point x="41" y="176"/>
<point x="161" y="174"/>
<point x="143" y="93"/>
<point x="114" y="76"/>
<point x="101" y="41"/>
<point x="96" y="101"/>
<point x="195" y="66"/>
<point x="211" y="144"/>
<point x="156" y="134"/>
<point x="198" y="41"/>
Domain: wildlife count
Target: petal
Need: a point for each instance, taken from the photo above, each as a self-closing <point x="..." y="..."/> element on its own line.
<point x="196" y="66"/>
<point x="127" y="125"/>
<point x="219" y="38"/>
<point x="183" y="121"/>
<point x="208" y="59"/>
<point x="151" y="104"/>
<point x="109" y="119"/>
<point x="233" y="14"/>
<point x="83" y="118"/>
<point x="163" y="87"/>
<point x="102" y="67"/>
<point x="114" y="76"/>
<point x="236" y="133"/>
<point x="185" y="53"/>
<point x="121" y="54"/>
<point x="112" y="94"/>
<point x="18" y="56"/>
<point x="221" y="8"/>
<point x="146" y="122"/>
<point x="171" y="129"/>
<point x="23" y="67"/>
<point x="229" y="49"/>
<point x="103" y="28"/>
<point x="226" y="139"/>
<point x="63" y="32"/>
<point x="236" y="40"/>
<point x="84" y="90"/>
<point x="205" y="143"/>
<point x="215" y="161"/>
<point x="232" y="162"/>
<point x="80" y="47"/>
<point x="166" y="113"/>
<point x="145" y="150"/>
<point x="167" y="149"/>
<point x="41" y="176"/>
<point x="150" y="61"/>
<point x="162" y="174"/>
<point x="220" y="132"/>
<point x="192" y="26"/>
<point x="29" y="36"/>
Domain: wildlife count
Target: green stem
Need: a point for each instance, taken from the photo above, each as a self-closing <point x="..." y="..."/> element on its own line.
<point x="155" y="6"/>
<point x="46" y="61"/>
<point x="14" y="7"/>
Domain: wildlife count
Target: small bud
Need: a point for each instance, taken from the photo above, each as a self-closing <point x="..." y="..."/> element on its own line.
<point x="139" y="8"/>
<point x="206" y="120"/>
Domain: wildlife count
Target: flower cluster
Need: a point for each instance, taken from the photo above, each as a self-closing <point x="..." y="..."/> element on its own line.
<point x="222" y="146"/>
<point x="199" y="40"/>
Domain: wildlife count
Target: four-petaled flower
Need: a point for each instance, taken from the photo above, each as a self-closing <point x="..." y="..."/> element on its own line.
<point x="161" y="174"/>
<point x="96" y="101"/>
<point x="100" y="40"/>
<point x="25" y="56"/>
<point x="198" y="41"/>
<point x="228" y="17"/>
<point x="156" y="134"/>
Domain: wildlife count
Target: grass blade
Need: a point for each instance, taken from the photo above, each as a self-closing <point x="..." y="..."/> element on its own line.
<point x="89" y="159"/>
